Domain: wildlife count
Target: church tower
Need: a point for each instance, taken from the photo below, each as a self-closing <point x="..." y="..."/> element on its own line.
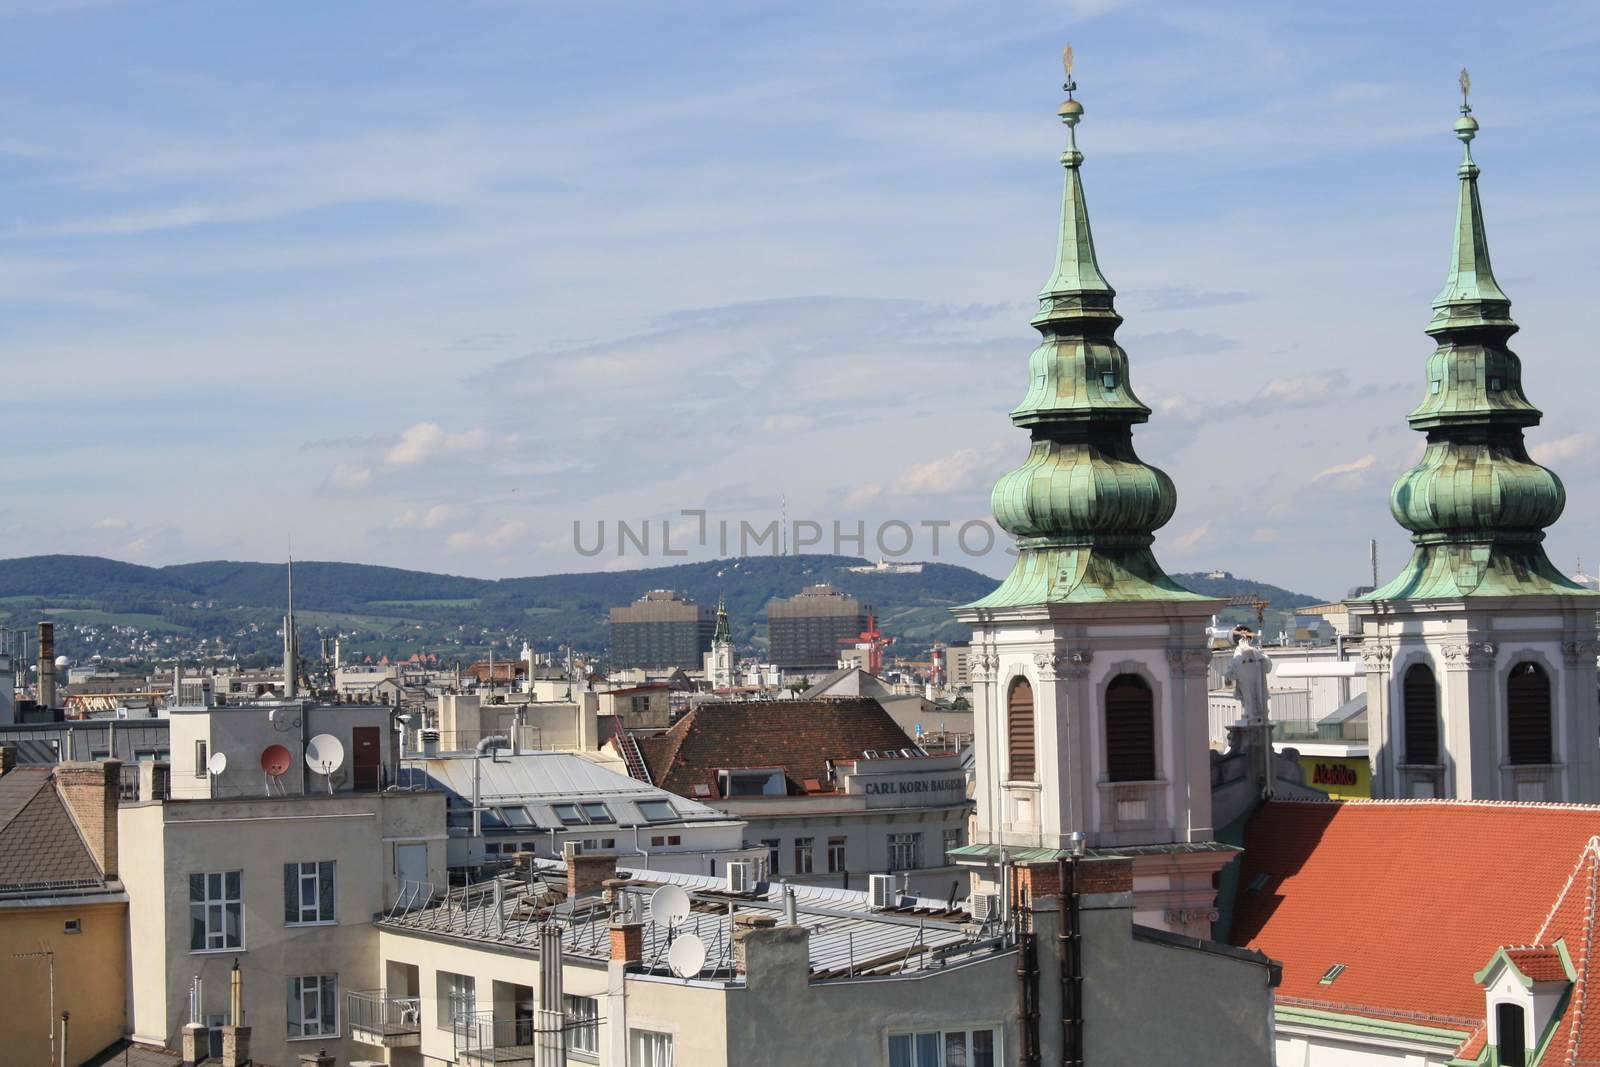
<point x="719" y="661"/>
<point x="1089" y="662"/>
<point x="1480" y="655"/>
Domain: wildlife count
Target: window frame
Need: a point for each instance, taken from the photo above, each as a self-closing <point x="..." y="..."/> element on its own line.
<point x="899" y="842"/>
<point x="327" y="994"/>
<point x="1120" y="765"/>
<point x="1412" y="728"/>
<point x="663" y="1042"/>
<point x="940" y="1039"/>
<point x="774" y="847"/>
<point x="583" y="1015"/>
<point x="1547" y="721"/>
<point x="314" y="880"/>
<point x="838" y="853"/>
<point x="1022" y="729"/>
<point x="603" y="819"/>
<point x="805" y="849"/>
<point x="454" y="992"/>
<point x="223" y="902"/>
<point x="577" y="814"/>
<point x="647" y="806"/>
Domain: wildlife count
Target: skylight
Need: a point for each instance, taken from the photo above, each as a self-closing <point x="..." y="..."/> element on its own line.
<point x="1330" y="974"/>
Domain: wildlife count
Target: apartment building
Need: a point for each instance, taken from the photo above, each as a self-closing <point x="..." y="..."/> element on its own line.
<point x="600" y="969"/>
<point x="809" y="630"/>
<point x="63" y="911"/>
<point x="663" y="628"/>
<point x="833" y="790"/>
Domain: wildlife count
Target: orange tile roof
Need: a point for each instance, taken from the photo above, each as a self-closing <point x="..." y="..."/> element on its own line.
<point x="1538" y="963"/>
<point x="1414" y="898"/>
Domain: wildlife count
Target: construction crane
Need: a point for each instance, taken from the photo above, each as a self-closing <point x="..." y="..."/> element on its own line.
<point x="1252" y="601"/>
<point x="873" y="642"/>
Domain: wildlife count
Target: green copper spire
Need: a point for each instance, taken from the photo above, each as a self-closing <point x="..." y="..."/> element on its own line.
<point x="1083" y="507"/>
<point x="722" y="635"/>
<point x="1477" y="506"/>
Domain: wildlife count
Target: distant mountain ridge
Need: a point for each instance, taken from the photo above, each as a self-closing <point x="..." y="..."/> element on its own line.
<point x="235" y="607"/>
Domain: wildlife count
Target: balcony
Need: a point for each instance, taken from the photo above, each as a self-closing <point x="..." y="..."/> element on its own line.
<point x="387" y="1022"/>
<point x="483" y="1039"/>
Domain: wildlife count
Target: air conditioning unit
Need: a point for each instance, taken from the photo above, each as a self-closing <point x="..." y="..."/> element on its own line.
<point x="984" y="906"/>
<point x="571" y="850"/>
<point x="882" y="891"/>
<point x="741" y="878"/>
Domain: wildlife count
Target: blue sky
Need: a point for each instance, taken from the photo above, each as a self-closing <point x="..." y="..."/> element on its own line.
<point x="423" y="283"/>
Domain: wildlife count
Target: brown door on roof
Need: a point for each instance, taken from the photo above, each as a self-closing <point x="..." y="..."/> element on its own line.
<point x="368" y="762"/>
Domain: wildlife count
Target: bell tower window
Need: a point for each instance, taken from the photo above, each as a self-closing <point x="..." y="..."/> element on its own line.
<point x="1528" y="732"/>
<point x="1130" y="730"/>
<point x="1020" y="763"/>
<point x="1420" y="694"/>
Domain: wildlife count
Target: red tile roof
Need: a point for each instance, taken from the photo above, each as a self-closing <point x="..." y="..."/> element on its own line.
<point x="796" y="735"/>
<point x="1538" y="963"/>
<point x="1414" y="898"/>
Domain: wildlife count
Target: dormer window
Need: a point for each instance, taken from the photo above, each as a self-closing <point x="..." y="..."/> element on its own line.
<point x="1496" y="383"/>
<point x="1108" y="379"/>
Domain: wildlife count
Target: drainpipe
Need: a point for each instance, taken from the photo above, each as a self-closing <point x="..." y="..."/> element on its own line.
<point x="1027" y="977"/>
<point x="486" y="745"/>
<point x="1069" y="943"/>
<point x="64" y="1017"/>
<point x="640" y="851"/>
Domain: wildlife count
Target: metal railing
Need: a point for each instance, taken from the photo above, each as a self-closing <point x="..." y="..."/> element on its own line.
<point x="375" y="1012"/>
<point x="479" y="1033"/>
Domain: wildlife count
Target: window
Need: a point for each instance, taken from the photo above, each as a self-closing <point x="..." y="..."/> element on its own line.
<point x="1130" y="730"/>
<point x="646" y="1048"/>
<point x="583" y="1024"/>
<point x="1512" y="1044"/>
<point x="773" y="844"/>
<point x="1528" y="714"/>
<point x="1420" y="695"/>
<point x="943" y="1048"/>
<point x="802" y="854"/>
<point x="1019" y="732"/>
<point x="200" y="767"/>
<point x="595" y="811"/>
<point x="308" y="892"/>
<point x="568" y="814"/>
<point x="215" y="1021"/>
<point x="952" y="839"/>
<point x="216" y="911"/>
<point x="656" y="810"/>
<point x="836" y="855"/>
<point x="314" y="1006"/>
<point x="515" y="816"/>
<point x="458" y="999"/>
<point x="660" y="840"/>
<point x="905" y="852"/>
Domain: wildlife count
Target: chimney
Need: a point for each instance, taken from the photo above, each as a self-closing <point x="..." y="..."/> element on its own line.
<point x="319" y="1058"/>
<point x="8" y="758"/>
<point x="235" y="1035"/>
<point x="91" y="791"/>
<point x="587" y="873"/>
<point x="47" y="665"/>
<point x="627" y="942"/>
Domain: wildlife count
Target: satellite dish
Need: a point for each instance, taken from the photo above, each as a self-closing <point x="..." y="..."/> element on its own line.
<point x="275" y="759"/>
<point x="669" y="905"/>
<point x="324" y="754"/>
<point x="687" y="954"/>
<point x="217" y="763"/>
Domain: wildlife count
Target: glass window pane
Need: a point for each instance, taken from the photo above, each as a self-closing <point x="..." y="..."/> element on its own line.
<point x="955" y="1049"/>
<point x="235" y="929"/>
<point x="329" y="1004"/>
<point x="197" y="887"/>
<point x="197" y="926"/>
<point x="325" y="891"/>
<point x="295" y="1029"/>
<point x="900" y="1050"/>
<point x="291" y="875"/>
<point x="927" y="1050"/>
<point x="233" y="885"/>
<point x="213" y="886"/>
<point x="983" y="1048"/>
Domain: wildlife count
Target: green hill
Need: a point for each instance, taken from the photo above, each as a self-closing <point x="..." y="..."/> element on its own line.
<point x="233" y="609"/>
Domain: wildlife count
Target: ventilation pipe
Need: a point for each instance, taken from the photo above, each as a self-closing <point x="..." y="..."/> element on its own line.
<point x="47" y="665"/>
<point x="488" y="745"/>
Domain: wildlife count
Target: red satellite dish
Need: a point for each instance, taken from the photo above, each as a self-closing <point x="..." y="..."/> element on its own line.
<point x="275" y="760"/>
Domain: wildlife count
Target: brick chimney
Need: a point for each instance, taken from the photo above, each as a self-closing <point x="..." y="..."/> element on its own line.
<point x="627" y="942"/>
<point x="587" y="873"/>
<point x="91" y="791"/>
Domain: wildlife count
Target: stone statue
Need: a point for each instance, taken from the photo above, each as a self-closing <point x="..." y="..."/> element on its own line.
<point x="1248" y="672"/>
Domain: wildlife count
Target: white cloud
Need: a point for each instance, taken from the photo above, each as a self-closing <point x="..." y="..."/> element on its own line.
<point x="1189" y="540"/>
<point x="969" y="468"/>
<point x="110" y="523"/>
<point x="1553" y="451"/>
<point x="1344" y="470"/>
<point x="500" y="536"/>
<point x="430" y="518"/>
<point x="427" y="440"/>
<point x="350" y="477"/>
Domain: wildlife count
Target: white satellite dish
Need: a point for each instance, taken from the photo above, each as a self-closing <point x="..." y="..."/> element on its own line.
<point x="324" y="754"/>
<point x="217" y="763"/>
<point x="669" y="905"/>
<point x="687" y="955"/>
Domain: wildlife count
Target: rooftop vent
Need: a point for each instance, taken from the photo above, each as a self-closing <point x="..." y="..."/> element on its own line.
<point x="1330" y="974"/>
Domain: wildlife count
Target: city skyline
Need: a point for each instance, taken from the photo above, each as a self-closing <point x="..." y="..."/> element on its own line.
<point x="425" y="291"/>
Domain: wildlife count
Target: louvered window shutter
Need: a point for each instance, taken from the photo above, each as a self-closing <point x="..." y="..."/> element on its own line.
<point x="1130" y="730"/>
<point x="1020" y="762"/>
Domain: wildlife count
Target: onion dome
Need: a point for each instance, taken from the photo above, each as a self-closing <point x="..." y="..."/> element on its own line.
<point x="1477" y="506"/>
<point x="1083" y="507"/>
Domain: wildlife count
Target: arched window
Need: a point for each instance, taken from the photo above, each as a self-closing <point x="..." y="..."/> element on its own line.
<point x="1513" y="1044"/>
<point x="1528" y="714"/>
<point x="1130" y="730"/>
<point x="1421" y="697"/>
<point x="1019" y="732"/>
